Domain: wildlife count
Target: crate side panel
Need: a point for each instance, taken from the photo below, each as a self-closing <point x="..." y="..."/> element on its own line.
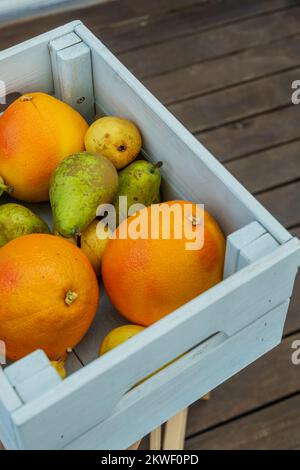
<point x="187" y="163"/>
<point x="89" y="396"/>
<point x="184" y="382"/>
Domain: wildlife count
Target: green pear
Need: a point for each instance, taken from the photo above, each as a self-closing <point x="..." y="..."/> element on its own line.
<point x="79" y="185"/>
<point x="17" y="220"/>
<point x="140" y="182"/>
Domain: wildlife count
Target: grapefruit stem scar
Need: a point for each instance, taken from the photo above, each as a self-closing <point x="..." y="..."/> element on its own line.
<point x="70" y="297"/>
<point x="194" y="220"/>
<point x="26" y="98"/>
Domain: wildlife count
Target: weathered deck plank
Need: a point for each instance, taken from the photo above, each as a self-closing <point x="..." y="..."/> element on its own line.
<point x="205" y="15"/>
<point x="265" y="170"/>
<point x="253" y="135"/>
<point x="211" y="44"/>
<point x="284" y="203"/>
<point x="268" y="379"/>
<point x="234" y="104"/>
<point x="273" y="428"/>
<point x="207" y="77"/>
<point x="227" y="64"/>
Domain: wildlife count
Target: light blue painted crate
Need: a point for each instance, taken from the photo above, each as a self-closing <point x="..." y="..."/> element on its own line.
<point x="223" y="330"/>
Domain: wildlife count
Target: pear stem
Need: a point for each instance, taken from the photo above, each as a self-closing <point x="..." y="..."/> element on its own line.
<point x="158" y="165"/>
<point x="4" y="187"/>
<point x="71" y="296"/>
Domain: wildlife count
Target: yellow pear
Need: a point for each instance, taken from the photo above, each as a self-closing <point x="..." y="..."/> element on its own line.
<point x="59" y="366"/>
<point x="93" y="243"/>
<point x="118" y="336"/>
<point x="117" y="139"/>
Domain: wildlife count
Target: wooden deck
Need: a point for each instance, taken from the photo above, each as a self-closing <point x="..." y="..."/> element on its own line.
<point x="225" y="69"/>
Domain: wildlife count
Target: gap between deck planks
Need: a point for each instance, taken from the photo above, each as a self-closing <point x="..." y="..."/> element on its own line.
<point x="249" y="136"/>
<point x="274" y="428"/>
<point x="207" y="77"/>
<point x="150" y="30"/>
<point x="103" y="16"/>
<point x="265" y="170"/>
<point x="270" y="378"/>
<point x="236" y="103"/>
<point x="149" y="18"/>
<point x="208" y="45"/>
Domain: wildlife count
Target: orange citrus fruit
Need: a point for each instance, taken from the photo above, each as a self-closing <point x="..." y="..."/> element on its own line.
<point x="49" y="295"/>
<point x="37" y="131"/>
<point x="147" y="278"/>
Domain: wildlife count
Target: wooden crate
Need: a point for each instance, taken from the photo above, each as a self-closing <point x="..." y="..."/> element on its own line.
<point x="222" y="330"/>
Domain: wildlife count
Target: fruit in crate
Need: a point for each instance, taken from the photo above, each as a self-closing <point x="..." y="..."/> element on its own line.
<point x="118" y="336"/>
<point x="140" y="183"/>
<point x="59" y="366"/>
<point x="4" y="188"/>
<point x="49" y="296"/>
<point x="37" y="132"/>
<point x="121" y="334"/>
<point x="149" y="276"/>
<point x="93" y="243"/>
<point x="17" y="220"/>
<point x="116" y="138"/>
<point x="79" y="185"/>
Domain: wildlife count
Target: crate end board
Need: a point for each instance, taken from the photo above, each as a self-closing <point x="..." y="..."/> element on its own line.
<point x="34" y="55"/>
<point x="149" y="404"/>
<point x="187" y="379"/>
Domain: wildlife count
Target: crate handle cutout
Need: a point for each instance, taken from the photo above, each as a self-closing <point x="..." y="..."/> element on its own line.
<point x="183" y="382"/>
